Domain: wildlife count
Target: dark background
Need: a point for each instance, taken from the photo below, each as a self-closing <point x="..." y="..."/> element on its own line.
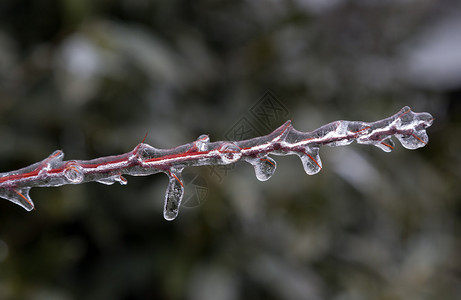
<point x="92" y="77"/>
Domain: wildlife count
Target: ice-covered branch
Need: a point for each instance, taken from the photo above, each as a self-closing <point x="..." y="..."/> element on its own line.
<point x="408" y="127"/>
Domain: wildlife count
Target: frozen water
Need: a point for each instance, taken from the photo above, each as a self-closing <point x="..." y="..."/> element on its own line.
<point x="73" y="173"/>
<point x="311" y="160"/>
<point x="19" y="196"/>
<point x="338" y="135"/>
<point x="113" y="179"/>
<point x="202" y="142"/>
<point x="407" y="126"/>
<point x="145" y="151"/>
<point x="107" y="180"/>
<point x="413" y="141"/>
<point x="174" y="194"/>
<point x="387" y="144"/>
<point x="264" y="167"/>
<point x="230" y="153"/>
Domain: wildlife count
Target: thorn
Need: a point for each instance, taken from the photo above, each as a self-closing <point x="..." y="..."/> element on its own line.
<point x="314" y="161"/>
<point x="145" y="136"/>
<point x="360" y="130"/>
<point x="418" y="138"/>
<point x="404" y="113"/>
<point x="387" y="145"/>
<point x="310" y="156"/>
<point x="25" y="198"/>
<point x="123" y="180"/>
<point x="176" y="177"/>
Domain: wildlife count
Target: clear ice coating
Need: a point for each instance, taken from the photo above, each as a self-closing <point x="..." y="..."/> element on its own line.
<point x="408" y="127"/>
<point x="337" y="133"/>
<point x="264" y="167"/>
<point x="113" y="179"/>
<point x="174" y="195"/>
<point x="18" y="196"/>
<point x="73" y="173"/>
<point x="202" y="142"/>
<point x="387" y="145"/>
<point x="310" y="159"/>
<point x="415" y="140"/>
<point x="229" y="153"/>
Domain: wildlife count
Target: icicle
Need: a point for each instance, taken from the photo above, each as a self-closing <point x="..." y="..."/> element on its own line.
<point x="264" y="167"/>
<point x="174" y="194"/>
<point x="311" y="160"/>
<point x="19" y="196"/>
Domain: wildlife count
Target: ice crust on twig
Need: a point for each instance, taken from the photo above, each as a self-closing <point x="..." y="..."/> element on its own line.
<point x="407" y="126"/>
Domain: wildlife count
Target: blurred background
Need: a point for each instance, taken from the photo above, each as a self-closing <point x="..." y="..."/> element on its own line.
<point x="92" y="77"/>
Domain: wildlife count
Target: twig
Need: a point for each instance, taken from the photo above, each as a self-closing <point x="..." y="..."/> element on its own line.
<point x="408" y="127"/>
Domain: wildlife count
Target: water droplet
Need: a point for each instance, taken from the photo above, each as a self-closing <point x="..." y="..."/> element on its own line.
<point x="230" y="153"/>
<point x="173" y="197"/>
<point x="202" y="142"/>
<point x="73" y="173"/>
<point x="264" y="167"/>
<point x="311" y="160"/>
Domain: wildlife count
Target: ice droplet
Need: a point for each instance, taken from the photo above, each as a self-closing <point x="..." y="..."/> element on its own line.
<point x="311" y="160"/>
<point x="113" y="179"/>
<point x="106" y="181"/>
<point x="264" y="167"/>
<point x="173" y="197"/>
<point x="230" y="153"/>
<point x="413" y="141"/>
<point x="202" y="142"/>
<point x="73" y="173"/>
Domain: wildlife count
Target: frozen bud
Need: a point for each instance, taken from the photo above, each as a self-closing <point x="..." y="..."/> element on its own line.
<point x="73" y="173"/>
<point x="230" y="153"/>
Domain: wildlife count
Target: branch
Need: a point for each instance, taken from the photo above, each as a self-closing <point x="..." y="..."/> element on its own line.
<point x="408" y="127"/>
